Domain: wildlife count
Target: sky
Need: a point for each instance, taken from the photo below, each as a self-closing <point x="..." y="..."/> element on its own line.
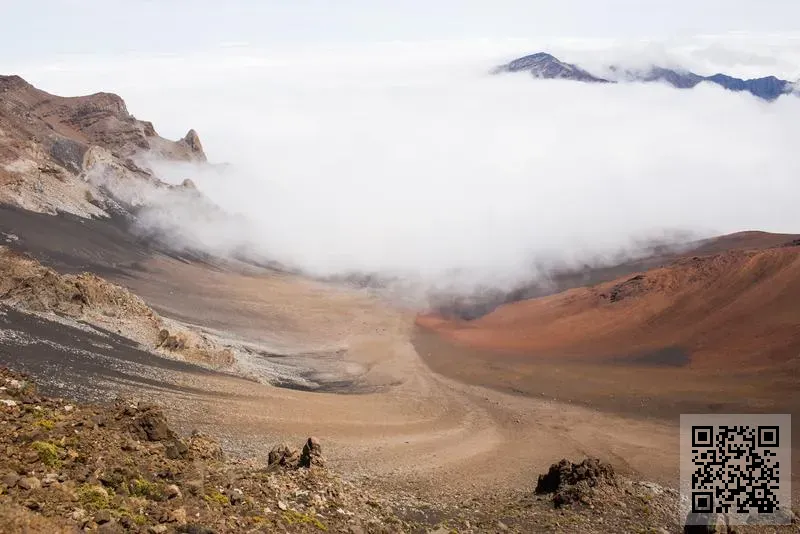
<point x="45" y="28"/>
<point x="369" y="136"/>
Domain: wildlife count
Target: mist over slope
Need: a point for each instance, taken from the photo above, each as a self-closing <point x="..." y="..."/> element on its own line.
<point x="408" y="160"/>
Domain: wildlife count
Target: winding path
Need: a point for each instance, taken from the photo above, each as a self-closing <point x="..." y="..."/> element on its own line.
<point x="403" y="424"/>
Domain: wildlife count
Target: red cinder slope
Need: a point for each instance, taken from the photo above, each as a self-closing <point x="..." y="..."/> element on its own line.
<point x="740" y="306"/>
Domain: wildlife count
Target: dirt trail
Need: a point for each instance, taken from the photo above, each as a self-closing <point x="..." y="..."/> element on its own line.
<point x="406" y="424"/>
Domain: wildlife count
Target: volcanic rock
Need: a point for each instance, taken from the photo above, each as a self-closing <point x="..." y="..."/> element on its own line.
<point x="312" y="453"/>
<point x="29" y="483"/>
<point x="284" y="455"/>
<point x="570" y="482"/>
<point x="205" y="448"/>
<point x="151" y="424"/>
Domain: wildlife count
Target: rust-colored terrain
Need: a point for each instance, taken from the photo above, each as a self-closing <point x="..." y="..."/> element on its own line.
<point x="716" y="329"/>
<point x="736" y="309"/>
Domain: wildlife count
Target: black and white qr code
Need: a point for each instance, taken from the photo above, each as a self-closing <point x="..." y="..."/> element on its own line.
<point x="736" y="464"/>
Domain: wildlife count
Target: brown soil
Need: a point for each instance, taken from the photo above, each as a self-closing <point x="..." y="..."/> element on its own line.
<point x="426" y="432"/>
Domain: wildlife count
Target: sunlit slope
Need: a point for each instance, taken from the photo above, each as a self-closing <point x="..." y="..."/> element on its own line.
<point x="740" y="306"/>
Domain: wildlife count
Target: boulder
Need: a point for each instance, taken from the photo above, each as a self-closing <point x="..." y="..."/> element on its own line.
<point x="570" y="482"/>
<point x="176" y="449"/>
<point x="151" y="424"/>
<point x="706" y="524"/>
<point x="205" y="448"/>
<point x="170" y="341"/>
<point x="102" y="516"/>
<point x="10" y="480"/>
<point x="284" y="455"/>
<point x="177" y="516"/>
<point x="171" y="491"/>
<point x="29" y="483"/>
<point x="312" y="454"/>
<point x="235" y="496"/>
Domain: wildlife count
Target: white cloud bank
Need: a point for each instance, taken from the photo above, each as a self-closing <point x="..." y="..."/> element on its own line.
<point x="410" y="158"/>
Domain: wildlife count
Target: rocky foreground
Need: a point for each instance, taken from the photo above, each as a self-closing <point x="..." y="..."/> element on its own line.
<point x="67" y="467"/>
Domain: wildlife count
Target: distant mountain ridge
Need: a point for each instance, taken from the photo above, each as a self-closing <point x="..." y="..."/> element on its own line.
<point x="546" y="66"/>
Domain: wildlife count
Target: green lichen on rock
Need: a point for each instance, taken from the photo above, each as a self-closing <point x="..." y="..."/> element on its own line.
<point x="215" y="497"/>
<point x="139" y="519"/>
<point x="48" y="453"/>
<point x="150" y="490"/>
<point x="293" y="517"/>
<point x="45" y="424"/>
<point x="94" y="497"/>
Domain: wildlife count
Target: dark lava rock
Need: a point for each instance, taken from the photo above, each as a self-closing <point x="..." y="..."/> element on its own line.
<point x="284" y="455"/>
<point x="312" y="453"/>
<point x="569" y="482"/>
<point x="176" y="449"/>
<point x="10" y="480"/>
<point x="103" y="516"/>
<point x="150" y="424"/>
<point x="706" y="524"/>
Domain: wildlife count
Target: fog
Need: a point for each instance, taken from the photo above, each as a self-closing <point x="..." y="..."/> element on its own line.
<point x="408" y="159"/>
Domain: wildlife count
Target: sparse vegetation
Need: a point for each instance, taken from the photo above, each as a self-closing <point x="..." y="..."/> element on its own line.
<point x="215" y="497"/>
<point x="293" y="517"/>
<point x="138" y="519"/>
<point x="94" y="497"/>
<point x="45" y="424"/>
<point x="149" y="490"/>
<point x="48" y="453"/>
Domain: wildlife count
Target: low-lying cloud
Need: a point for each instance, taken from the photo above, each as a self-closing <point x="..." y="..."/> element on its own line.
<point x="411" y="159"/>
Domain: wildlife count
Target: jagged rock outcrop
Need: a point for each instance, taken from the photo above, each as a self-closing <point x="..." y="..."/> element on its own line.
<point x="30" y="286"/>
<point x="58" y="152"/>
<point x="150" y="424"/>
<point x="570" y="482"/>
<point x="192" y="140"/>
<point x="284" y="455"/>
<point x="312" y="454"/>
<point x="70" y="125"/>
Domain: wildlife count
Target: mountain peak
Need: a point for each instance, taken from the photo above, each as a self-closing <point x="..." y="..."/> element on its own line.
<point x="192" y="140"/>
<point x="546" y="66"/>
<point x="54" y="145"/>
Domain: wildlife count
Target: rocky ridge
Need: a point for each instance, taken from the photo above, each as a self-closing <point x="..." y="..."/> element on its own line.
<point x="79" y="155"/>
<point x="30" y="286"/>
<point x="546" y="66"/>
